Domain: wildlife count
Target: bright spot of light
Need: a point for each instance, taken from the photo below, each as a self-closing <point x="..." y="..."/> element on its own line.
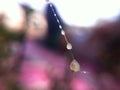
<point x="76" y="12"/>
<point x="13" y="14"/>
<point x="86" y="12"/>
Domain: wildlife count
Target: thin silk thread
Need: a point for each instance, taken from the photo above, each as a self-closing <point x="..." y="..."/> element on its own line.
<point x="74" y="66"/>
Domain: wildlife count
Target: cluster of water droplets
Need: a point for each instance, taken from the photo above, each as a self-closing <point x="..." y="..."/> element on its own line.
<point x="74" y="65"/>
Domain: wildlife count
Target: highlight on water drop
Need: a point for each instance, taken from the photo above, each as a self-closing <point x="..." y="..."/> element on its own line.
<point x="75" y="66"/>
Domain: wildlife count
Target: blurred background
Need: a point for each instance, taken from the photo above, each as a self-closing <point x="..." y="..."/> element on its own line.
<point x="33" y="54"/>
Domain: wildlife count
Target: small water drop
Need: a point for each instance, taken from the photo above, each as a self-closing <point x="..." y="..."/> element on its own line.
<point x="55" y="15"/>
<point x="62" y="32"/>
<point x="84" y="72"/>
<point x="75" y="66"/>
<point x="60" y="26"/>
<point x="69" y="46"/>
<point x="50" y="5"/>
<point x="58" y="21"/>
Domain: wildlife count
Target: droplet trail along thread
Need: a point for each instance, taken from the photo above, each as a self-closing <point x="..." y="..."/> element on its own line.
<point x="74" y="66"/>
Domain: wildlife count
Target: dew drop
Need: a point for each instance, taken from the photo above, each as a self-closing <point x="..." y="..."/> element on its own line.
<point x="55" y="15"/>
<point x="62" y="32"/>
<point x="75" y="66"/>
<point x="50" y="5"/>
<point x="69" y="46"/>
<point x="58" y="21"/>
<point x="60" y="26"/>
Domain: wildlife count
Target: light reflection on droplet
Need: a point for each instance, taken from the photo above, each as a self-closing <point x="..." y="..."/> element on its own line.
<point x="55" y="15"/>
<point x="84" y="72"/>
<point x="62" y="32"/>
<point x="58" y="21"/>
<point x="75" y="66"/>
<point x="69" y="46"/>
<point x="60" y="26"/>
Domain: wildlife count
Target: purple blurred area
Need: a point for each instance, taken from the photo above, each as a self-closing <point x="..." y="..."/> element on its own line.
<point x="33" y="54"/>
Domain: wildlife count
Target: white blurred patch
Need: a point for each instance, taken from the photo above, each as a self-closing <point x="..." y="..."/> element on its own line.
<point x="74" y="12"/>
<point x="14" y="18"/>
<point x="87" y="12"/>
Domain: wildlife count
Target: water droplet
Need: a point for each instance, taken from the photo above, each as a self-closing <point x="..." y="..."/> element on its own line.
<point x="62" y="32"/>
<point x="60" y="26"/>
<point x="69" y="46"/>
<point x="50" y="5"/>
<point x="58" y="21"/>
<point x="55" y="15"/>
<point x="84" y="72"/>
<point x="75" y="66"/>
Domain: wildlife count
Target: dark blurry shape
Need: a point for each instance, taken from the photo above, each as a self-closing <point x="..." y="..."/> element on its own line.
<point x="5" y="38"/>
<point x="106" y="38"/>
<point x="52" y="40"/>
<point x="28" y="10"/>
